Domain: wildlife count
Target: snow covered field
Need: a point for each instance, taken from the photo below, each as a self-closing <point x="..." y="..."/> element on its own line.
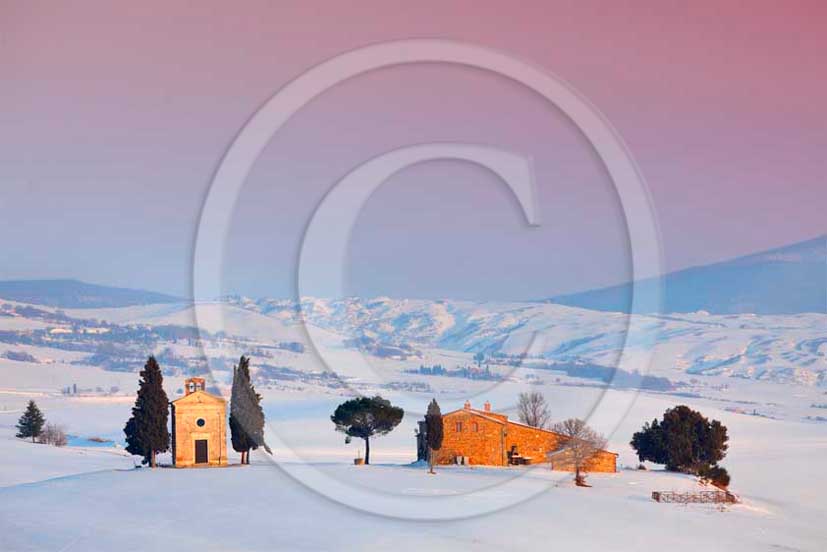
<point x="92" y="499"/>
<point x="259" y="508"/>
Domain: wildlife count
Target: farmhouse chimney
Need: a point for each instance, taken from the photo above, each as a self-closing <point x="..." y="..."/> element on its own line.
<point x="467" y="405"/>
<point x="487" y="406"/>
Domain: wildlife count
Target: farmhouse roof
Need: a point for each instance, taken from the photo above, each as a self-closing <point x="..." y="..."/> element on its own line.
<point x="505" y="421"/>
<point x="476" y="412"/>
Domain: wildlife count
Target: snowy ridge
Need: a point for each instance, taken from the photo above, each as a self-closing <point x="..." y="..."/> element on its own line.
<point x="784" y="280"/>
<point x="779" y="348"/>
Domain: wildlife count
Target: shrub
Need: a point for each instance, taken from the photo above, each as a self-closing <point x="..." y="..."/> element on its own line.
<point x="716" y="475"/>
<point x="53" y="434"/>
<point x="19" y="356"/>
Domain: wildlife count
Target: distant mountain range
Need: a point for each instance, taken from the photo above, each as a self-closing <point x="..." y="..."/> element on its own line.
<point x="787" y="280"/>
<point x="74" y="294"/>
<point x="783" y="341"/>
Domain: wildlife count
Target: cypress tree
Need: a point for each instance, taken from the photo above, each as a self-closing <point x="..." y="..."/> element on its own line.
<point x="433" y="432"/>
<point x="31" y="422"/>
<point x="246" y="414"/>
<point x="239" y="438"/>
<point x="146" y="431"/>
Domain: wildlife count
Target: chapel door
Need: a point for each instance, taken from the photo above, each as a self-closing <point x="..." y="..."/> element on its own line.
<point x="201" y="451"/>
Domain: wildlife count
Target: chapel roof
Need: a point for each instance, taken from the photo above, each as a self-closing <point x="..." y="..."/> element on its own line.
<point x="199" y="397"/>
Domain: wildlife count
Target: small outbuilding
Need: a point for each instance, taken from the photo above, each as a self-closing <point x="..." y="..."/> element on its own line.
<point x="199" y="427"/>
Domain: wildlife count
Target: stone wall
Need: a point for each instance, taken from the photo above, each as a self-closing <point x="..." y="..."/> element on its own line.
<point x="531" y="441"/>
<point x="485" y="438"/>
<point x="478" y="439"/>
<point x="602" y="462"/>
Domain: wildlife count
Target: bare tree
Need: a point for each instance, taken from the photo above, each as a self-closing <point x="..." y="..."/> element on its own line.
<point x="53" y="434"/>
<point x="533" y="409"/>
<point x="580" y="444"/>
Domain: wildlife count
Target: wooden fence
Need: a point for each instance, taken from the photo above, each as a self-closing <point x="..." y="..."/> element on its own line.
<point x="699" y="497"/>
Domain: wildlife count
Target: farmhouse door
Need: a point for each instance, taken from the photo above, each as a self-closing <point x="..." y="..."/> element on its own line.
<point x="201" y="451"/>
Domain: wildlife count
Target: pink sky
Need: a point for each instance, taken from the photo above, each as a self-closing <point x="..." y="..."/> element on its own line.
<point x="115" y="117"/>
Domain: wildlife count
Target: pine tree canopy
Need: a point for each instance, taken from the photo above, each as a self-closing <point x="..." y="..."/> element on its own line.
<point x="364" y="417"/>
<point x="31" y="422"/>
<point x="146" y="431"/>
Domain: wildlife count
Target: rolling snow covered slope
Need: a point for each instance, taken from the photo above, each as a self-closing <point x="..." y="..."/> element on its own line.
<point x="780" y="348"/>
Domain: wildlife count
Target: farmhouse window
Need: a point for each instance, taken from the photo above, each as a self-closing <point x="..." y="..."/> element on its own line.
<point x="475" y="426"/>
<point x="459" y="427"/>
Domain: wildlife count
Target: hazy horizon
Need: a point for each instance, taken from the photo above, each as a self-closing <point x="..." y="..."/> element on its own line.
<point x="231" y="293"/>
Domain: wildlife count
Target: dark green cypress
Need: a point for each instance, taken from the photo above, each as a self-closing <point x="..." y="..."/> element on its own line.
<point x="146" y="431"/>
<point x="239" y="437"/>
<point x="246" y="414"/>
<point x="31" y="422"/>
<point x="433" y="432"/>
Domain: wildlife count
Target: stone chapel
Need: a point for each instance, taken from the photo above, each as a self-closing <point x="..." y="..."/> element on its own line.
<point x="199" y="427"/>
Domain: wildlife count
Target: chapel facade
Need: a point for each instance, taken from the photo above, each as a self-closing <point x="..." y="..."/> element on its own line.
<point x="199" y="428"/>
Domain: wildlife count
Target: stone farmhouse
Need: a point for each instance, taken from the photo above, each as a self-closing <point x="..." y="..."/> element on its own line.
<point x="483" y="437"/>
<point x="199" y="427"/>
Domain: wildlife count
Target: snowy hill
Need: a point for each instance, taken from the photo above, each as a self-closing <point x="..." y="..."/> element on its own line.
<point x="786" y="280"/>
<point x="25" y="462"/>
<point x="776" y="348"/>
<point x="780" y="348"/>
<point x="76" y="294"/>
<point x="212" y="317"/>
<point x="259" y="508"/>
<point x="776" y="469"/>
